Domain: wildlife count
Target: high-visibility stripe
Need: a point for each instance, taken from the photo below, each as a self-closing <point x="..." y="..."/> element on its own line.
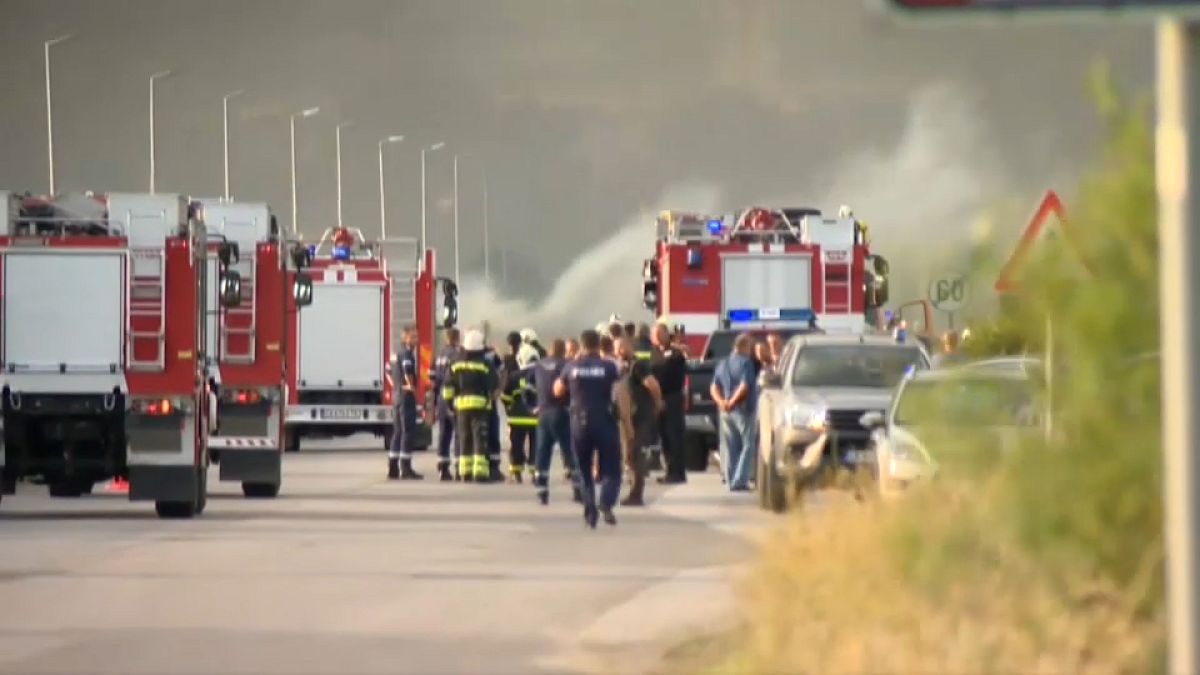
<point x="522" y="421"/>
<point x="471" y="402"/>
<point x="643" y="356"/>
<point x="469" y="365"/>
<point x="447" y="393"/>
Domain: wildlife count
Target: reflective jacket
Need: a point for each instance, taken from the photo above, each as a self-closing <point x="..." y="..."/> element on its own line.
<point x="471" y="383"/>
<point x="519" y="396"/>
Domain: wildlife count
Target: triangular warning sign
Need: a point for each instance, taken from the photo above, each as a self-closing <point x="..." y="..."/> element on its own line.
<point x="1050" y="208"/>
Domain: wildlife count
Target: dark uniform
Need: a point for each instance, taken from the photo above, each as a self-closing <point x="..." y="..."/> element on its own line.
<point x="519" y="399"/>
<point x="492" y="359"/>
<point x="404" y="428"/>
<point x="553" y="426"/>
<point x="643" y="349"/>
<point x="470" y="387"/>
<point x="439" y="376"/>
<point x="669" y="367"/>
<point x="590" y="381"/>
<point x="645" y="427"/>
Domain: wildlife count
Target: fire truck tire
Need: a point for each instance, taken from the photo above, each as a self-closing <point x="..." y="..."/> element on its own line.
<point x="260" y="490"/>
<point x="291" y="440"/>
<point x="188" y="509"/>
<point x="202" y="498"/>
<point x="65" y="487"/>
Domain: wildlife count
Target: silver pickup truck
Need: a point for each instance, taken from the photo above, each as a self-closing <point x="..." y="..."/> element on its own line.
<point x="809" y="409"/>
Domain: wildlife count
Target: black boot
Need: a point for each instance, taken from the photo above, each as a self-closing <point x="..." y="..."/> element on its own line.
<point x="609" y="516"/>
<point x="444" y="474"/>
<point x="393" y="468"/>
<point x="495" y="474"/>
<point x="406" y="471"/>
<point x="590" y="516"/>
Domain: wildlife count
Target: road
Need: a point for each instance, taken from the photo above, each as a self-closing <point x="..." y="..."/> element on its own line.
<point x="351" y="574"/>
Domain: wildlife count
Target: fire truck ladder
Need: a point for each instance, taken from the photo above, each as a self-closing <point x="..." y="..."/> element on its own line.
<point x="146" y="310"/>
<point x="837" y="277"/>
<point x="404" y="304"/>
<point x="243" y="317"/>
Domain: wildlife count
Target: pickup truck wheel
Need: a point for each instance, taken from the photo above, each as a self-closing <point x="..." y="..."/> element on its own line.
<point x="65" y="487"/>
<point x="260" y="490"/>
<point x="695" y="453"/>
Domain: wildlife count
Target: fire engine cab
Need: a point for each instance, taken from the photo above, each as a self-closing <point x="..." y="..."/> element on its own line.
<point x="248" y="346"/>
<point x="761" y="268"/>
<point x="104" y="356"/>
<point x="364" y="293"/>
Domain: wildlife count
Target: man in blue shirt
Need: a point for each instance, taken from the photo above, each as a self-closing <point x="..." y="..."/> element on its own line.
<point x="589" y="381"/>
<point x="554" y="423"/>
<point x="735" y="391"/>
<point x="404" y="383"/>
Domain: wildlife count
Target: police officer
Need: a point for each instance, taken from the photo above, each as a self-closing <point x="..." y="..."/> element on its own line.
<point x="639" y="395"/>
<point x="470" y="389"/>
<point x="669" y="367"/>
<point x="404" y="377"/>
<point x="589" y="382"/>
<point x="439" y="376"/>
<point x="493" y="360"/>
<point x="516" y="393"/>
<point x="553" y="423"/>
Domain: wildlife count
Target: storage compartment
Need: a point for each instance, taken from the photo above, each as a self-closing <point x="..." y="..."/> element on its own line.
<point x="341" y="338"/>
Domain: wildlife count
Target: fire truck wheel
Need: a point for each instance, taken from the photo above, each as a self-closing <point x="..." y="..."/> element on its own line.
<point x="177" y="509"/>
<point x="202" y="498"/>
<point x="65" y="487"/>
<point x="695" y="452"/>
<point x="260" y="490"/>
<point x="291" y="441"/>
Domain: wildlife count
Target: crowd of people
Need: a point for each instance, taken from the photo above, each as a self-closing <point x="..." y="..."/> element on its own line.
<point x="603" y="398"/>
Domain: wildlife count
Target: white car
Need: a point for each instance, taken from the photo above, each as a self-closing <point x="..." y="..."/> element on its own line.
<point x="933" y="408"/>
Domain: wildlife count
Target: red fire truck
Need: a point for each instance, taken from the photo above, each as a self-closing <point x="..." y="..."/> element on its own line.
<point x="761" y="268"/>
<point x="248" y="346"/>
<point x="364" y="293"/>
<point x="103" y="353"/>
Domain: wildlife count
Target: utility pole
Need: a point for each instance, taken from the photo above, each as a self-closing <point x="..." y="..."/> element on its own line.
<point x="487" y="250"/>
<point x="424" y="230"/>
<point x="307" y="112"/>
<point x="382" y="188"/>
<point x="457" y="276"/>
<point x="338" y="153"/>
<point x="225" y="132"/>
<point x="156" y="76"/>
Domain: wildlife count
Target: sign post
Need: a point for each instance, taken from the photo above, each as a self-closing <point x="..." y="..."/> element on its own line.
<point x="1177" y="157"/>
<point x="949" y="293"/>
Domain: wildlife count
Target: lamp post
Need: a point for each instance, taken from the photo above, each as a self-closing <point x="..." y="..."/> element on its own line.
<point x="225" y="132"/>
<point x="383" y="188"/>
<point x="424" y="230"/>
<point x="307" y="112"/>
<point x="457" y="277"/>
<point x="154" y="78"/>
<point x="487" y="250"/>
<point x="49" y="115"/>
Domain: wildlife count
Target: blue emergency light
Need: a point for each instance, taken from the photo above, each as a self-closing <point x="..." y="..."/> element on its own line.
<point x="312" y="251"/>
<point x="793" y="314"/>
<point x="342" y="253"/>
<point x="715" y="226"/>
<point x="742" y="315"/>
<point x="694" y="258"/>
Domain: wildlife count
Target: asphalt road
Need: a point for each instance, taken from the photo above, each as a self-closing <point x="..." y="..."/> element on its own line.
<point x="351" y="574"/>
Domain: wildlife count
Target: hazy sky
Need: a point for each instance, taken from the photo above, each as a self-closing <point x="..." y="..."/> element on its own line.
<point x="584" y="111"/>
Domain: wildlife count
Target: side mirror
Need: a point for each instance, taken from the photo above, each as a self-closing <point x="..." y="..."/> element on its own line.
<point x="882" y="268"/>
<point x="231" y="289"/>
<point x="650" y="294"/>
<point x="770" y="380"/>
<point x="301" y="257"/>
<point x="449" y="316"/>
<point x="872" y="419"/>
<point x="449" y="303"/>
<point x="302" y="290"/>
<point x="227" y="253"/>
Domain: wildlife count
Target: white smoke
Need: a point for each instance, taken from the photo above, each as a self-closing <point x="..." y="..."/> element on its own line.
<point x="598" y="283"/>
<point x="921" y="197"/>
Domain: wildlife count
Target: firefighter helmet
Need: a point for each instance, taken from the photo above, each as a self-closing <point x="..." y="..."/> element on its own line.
<point x="473" y="341"/>
<point x="528" y="335"/>
<point x="526" y="356"/>
<point x="845" y="212"/>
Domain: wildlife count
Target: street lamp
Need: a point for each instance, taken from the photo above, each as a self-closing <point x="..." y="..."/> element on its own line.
<point x="457" y="278"/>
<point x="338" y="153"/>
<point x="225" y="127"/>
<point x="487" y="251"/>
<point x="49" y="116"/>
<point x="307" y="112"/>
<point x="382" y="188"/>
<point x="436" y="146"/>
<point x="156" y="76"/>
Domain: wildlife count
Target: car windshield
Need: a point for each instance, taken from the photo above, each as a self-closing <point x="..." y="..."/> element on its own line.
<point x="968" y="402"/>
<point x="854" y="365"/>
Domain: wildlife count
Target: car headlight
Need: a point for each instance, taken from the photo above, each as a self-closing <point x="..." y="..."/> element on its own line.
<point x="907" y="451"/>
<point x="803" y="417"/>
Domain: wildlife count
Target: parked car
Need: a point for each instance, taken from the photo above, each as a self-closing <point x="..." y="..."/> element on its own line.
<point x="809" y="409"/>
<point x="943" y="411"/>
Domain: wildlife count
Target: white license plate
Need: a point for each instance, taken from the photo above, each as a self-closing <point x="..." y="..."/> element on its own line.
<point x="339" y="414"/>
<point x="860" y="456"/>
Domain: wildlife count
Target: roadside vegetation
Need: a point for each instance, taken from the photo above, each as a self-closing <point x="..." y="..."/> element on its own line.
<point x="1046" y="559"/>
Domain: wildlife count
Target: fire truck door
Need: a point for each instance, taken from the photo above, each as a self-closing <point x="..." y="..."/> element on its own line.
<point x="765" y="284"/>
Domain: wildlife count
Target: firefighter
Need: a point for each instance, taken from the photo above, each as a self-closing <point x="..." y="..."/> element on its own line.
<point x="516" y="393"/>
<point x="529" y="340"/>
<point x="404" y="376"/>
<point x="589" y="381"/>
<point x="493" y="429"/>
<point x="470" y="390"/>
<point x="639" y="401"/>
<point x="642" y="345"/>
<point x="554" y="424"/>
<point x="439" y="377"/>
